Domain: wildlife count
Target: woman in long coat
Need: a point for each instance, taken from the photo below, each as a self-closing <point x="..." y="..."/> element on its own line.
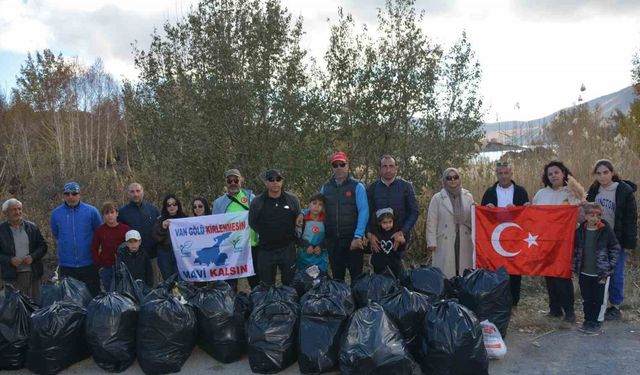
<point x="449" y="226"/>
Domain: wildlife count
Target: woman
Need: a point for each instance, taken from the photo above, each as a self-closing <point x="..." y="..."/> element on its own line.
<point x="556" y="178"/>
<point x="171" y="209"/>
<point x="620" y="212"/>
<point x="449" y="226"/>
<point x="200" y="207"/>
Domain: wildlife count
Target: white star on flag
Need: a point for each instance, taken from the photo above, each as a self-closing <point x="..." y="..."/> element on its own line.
<point x="531" y="240"/>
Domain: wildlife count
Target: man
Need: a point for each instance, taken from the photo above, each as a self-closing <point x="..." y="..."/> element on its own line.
<point x="141" y="215"/>
<point x="72" y="225"/>
<point x="506" y="193"/>
<point x="21" y="250"/>
<point x="238" y="199"/>
<point x="391" y="191"/>
<point x="347" y="215"/>
<point x="272" y="215"/>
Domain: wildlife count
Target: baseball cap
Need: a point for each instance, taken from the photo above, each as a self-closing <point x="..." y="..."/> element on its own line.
<point x="272" y="173"/>
<point x="71" y="187"/>
<point x="132" y="235"/>
<point x="339" y="156"/>
<point x="232" y="172"/>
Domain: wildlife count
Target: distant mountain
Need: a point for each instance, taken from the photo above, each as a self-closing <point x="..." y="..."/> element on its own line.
<point x="608" y="104"/>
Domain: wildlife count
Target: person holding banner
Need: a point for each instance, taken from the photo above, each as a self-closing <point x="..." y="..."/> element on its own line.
<point x="200" y="207"/>
<point x="449" y="226"/>
<point x="272" y="215"/>
<point x="506" y="193"/>
<point x="171" y="209"/>
<point x="560" y="188"/>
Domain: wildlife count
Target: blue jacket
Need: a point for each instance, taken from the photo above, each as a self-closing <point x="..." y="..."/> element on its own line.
<point x="222" y="202"/>
<point x="73" y="229"/>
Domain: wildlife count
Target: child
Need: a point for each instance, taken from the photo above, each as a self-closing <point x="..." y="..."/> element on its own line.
<point x="594" y="259"/>
<point x="105" y="243"/>
<point x="311" y="245"/>
<point x="390" y="248"/>
<point x="135" y="258"/>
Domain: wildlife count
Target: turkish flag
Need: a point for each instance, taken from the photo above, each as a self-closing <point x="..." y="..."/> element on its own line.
<point x="532" y="240"/>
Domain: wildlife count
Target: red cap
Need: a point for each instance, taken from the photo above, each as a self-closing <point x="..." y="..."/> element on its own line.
<point x="339" y="156"/>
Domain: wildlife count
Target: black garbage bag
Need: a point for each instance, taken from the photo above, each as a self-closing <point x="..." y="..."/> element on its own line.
<point x="303" y="280"/>
<point x="15" y="325"/>
<point x="143" y="288"/>
<point x="324" y="314"/>
<point x="271" y="334"/>
<point x="426" y="280"/>
<point x="263" y="292"/>
<point x="124" y="283"/>
<point x="243" y="304"/>
<point x="166" y="332"/>
<point x="407" y="310"/>
<point x="221" y="321"/>
<point x="372" y="286"/>
<point x="451" y="341"/>
<point x="110" y="330"/>
<point x="372" y="344"/>
<point x="65" y="289"/>
<point x="488" y="295"/>
<point x="57" y="338"/>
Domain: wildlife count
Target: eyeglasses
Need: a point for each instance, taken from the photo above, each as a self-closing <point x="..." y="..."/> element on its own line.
<point x="172" y="205"/>
<point x="197" y="206"/>
<point x="66" y="194"/>
<point x="452" y="178"/>
<point x="277" y="178"/>
<point x="338" y="164"/>
<point x="232" y="180"/>
<point x="502" y="164"/>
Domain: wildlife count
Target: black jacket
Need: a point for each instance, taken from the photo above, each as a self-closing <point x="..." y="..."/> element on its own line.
<point x="520" y="196"/>
<point x="37" y="250"/>
<point x="139" y="264"/>
<point x="257" y="204"/>
<point x="626" y="213"/>
<point x="607" y="249"/>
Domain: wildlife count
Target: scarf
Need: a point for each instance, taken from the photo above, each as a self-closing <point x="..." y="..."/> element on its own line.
<point x="454" y="196"/>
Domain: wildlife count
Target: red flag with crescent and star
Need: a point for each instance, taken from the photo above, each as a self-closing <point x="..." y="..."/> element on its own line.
<point x="531" y="240"/>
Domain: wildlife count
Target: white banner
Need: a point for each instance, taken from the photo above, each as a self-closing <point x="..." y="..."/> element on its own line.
<point x="212" y="247"/>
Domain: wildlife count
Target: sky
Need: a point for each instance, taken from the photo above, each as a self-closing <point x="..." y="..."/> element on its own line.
<point x="535" y="54"/>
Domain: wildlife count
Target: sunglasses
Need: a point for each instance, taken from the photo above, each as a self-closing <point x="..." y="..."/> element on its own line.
<point x="338" y="164"/>
<point x="197" y="206"/>
<point x="277" y="178"/>
<point x="172" y="205"/>
<point x="233" y="181"/>
<point x="502" y="164"/>
<point x="452" y="178"/>
<point x="72" y="194"/>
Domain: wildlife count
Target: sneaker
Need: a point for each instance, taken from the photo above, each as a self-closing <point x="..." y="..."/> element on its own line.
<point x="592" y="329"/>
<point x="584" y="328"/>
<point x="554" y="314"/>
<point x="569" y="318"/>
<point x="613" y="313"/>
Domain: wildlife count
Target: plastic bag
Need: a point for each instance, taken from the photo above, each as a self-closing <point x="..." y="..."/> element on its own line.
<point x="324" y="314"/>
<point x="451" y="341"/>
<point x="166" y="332"/>
<point x="57" y="338"/>
<point x="493" y="342"/>
<point x="426" y="280"/>
<point x="488" y="295"/>
<point x="15" y="325"/>
<point x="407" y="310"/>
<point x="264" y="292"/>
<point x="110" y="330"/>
<point x="221" y="320"/>
<point x="271" y="334"/>
<point x="65" y="289"/>
<point x="372" y="286"/>
<point x="124" y="283"/>
<point x="373" y="344"/>
<point x="304" y="280"/>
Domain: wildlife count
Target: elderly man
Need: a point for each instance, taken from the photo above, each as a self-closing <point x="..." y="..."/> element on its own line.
<point x="21" y="250"/>
<point x="347" y="215"/>
<point x="141" y="215"/>
<point x="272" y="215"/>
<point x="72" y="225"/>
<point x="391" y="191"/>
<point x="506" y="193"/>
<point x="237" y="199"/>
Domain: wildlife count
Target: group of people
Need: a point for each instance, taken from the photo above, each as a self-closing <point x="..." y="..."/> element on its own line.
<point x="340" y="223"/>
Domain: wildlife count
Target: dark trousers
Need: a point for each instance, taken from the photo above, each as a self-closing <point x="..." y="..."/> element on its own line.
<point x="255" y="279"/>
<point x="592" y="297"/>
<point x="514" y="283"/>
<point x="560" y="295"/>
<point x="270" y="260"/>
<point x="342" y="257"/>
<point x="381" y="260"/>
<point x="167" y="263"/>
<point x="86" y="274"/>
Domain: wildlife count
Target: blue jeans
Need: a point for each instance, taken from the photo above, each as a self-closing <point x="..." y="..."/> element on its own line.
<point x="106" y="277"/>
<point x="167" y="263"/>
<point x="616" y="285"/>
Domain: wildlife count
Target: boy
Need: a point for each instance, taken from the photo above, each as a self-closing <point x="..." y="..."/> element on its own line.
<point x="594" y="259"/>
<point x="390" y="249"/>
<point x="311" y="245"/>
<point x="105" y="243"/>
<point x="135" y="258"/>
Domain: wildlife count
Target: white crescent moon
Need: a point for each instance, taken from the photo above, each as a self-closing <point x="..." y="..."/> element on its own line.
<point x="495" y="239"/>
